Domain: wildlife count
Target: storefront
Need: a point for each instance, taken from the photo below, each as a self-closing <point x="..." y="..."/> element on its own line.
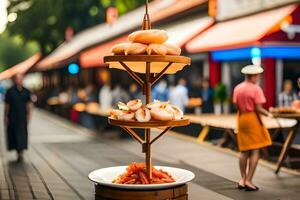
<point x="266" y="38"/>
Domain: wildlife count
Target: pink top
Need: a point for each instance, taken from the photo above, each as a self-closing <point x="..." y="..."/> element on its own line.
<point x="246" y="95"/>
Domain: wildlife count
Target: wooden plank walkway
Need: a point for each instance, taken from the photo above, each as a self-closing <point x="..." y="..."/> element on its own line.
<point x="62" y="154"/>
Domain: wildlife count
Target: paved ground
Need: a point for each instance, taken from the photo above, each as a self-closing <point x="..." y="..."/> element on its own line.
<point x="62" y="154"/>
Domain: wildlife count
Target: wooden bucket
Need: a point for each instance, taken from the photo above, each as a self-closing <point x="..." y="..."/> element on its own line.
<point x="109" y="193"/>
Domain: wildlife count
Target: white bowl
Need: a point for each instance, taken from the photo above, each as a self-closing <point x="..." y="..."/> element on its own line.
<point x="105" y="176"/>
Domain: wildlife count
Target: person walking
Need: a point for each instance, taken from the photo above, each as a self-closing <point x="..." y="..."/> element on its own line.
<point x="105" y="97"/>
<point x="252" y="134"/>
<point x="207" y="97"/>
<point x="179" y="95"/>
<point x="160" y="91"/>
<point x="17" y="113"/>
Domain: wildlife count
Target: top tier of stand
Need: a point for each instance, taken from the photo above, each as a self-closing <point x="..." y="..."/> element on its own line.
<point x="137" y="63"/>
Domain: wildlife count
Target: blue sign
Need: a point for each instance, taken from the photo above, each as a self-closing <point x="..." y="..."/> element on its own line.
<point x="277" y="52"/>
<point x="73" y="68"/>
<point x="255" y="52"/>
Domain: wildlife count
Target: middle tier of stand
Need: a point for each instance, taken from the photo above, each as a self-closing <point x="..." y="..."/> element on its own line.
<point x="137" y="63"/>
<point x="150" y="124"/>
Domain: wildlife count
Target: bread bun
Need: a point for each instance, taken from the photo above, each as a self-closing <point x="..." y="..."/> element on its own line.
<point x="119" y="49"/>
<point x="135" y="49"/>
<point x="156" y="49"/>
<point x="149" y="36"/>
<point x="173" y="49"/>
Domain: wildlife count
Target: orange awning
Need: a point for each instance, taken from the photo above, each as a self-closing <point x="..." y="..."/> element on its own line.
<point x="239" y="32"/>
<point x="158" y="10"/>
<point x="177" y="7"/>
<point x="20" y="68"/>
<point x="194" y="25"/>
<point x="94" y="56"/>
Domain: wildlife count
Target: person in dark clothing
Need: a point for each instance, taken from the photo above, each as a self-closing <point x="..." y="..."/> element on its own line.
<point x="17" y="113"/>
<point x="206" y="94"/>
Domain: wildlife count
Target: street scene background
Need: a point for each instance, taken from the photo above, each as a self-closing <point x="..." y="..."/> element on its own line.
<point x="60" y="45"/>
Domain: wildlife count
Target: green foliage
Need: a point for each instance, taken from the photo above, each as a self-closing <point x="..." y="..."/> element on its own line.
<point x="45" y="21"/>
<point x="220" y="93"/>
<point x="13" y="51"/>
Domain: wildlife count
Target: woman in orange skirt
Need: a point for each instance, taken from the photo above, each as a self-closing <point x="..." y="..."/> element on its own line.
<point x="252" y="134"/>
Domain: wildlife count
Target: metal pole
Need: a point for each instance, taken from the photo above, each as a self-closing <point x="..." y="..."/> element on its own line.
<point x="146" y="22"/>
<point x="147" y="148"/>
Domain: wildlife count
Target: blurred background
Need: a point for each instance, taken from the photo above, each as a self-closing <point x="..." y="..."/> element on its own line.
<point x="60" y="44"/>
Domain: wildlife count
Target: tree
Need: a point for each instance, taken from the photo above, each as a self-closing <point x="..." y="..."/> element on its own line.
<point x="13" y="51"/>
<point x="45" y="21"/>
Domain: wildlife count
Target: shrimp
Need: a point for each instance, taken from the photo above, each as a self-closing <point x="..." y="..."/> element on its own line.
<point x="134" y="104"/>
<point x="157" y="103"/>
<point x="126" y="116"/>
<point x="177" y="112"/>
<point x="136" y="174"/>
<point x="114" y="113"/>
<point x="143" y="114"/>
<point x="161" y="113"/>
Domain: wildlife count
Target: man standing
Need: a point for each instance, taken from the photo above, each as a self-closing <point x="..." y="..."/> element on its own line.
<point x="17" y="113"/>
<point x="287" y="96"/>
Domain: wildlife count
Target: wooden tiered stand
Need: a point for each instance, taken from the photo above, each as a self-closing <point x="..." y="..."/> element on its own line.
<point x="146" y="70"/>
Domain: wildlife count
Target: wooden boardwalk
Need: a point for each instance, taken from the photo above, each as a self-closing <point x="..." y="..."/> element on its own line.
<point x="62" y="154"/>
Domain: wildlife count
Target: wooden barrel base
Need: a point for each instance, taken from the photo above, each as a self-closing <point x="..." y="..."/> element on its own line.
<point x="109" y="193"/>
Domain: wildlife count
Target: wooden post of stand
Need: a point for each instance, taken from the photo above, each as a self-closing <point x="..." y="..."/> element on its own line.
<point x="147" y="145"/>
<point x="147" y="92"/>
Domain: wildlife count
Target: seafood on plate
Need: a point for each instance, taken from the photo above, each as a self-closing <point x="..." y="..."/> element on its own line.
<point x="143" y="114"/>
<point x="114" y="113"/>
<point x="124" y="115"/>
<point x="162" y="114"/>
<point x="156" y="110"/>
<point x="157" y="103"/>
<point x="134" y="104"/>
<point x="177" y="112"/>
<point x="136" y="174"/>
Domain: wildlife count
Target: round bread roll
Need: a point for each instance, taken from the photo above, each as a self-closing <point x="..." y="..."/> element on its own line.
<point x="149" y="36"/>
<point x="173" y="49"/>
<point x="156" y="49"/>
<point x="119" y="49"/>
<point x="135" y="49"/>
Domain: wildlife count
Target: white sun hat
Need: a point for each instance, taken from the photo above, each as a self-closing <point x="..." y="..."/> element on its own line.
<point x="252" y="69"/>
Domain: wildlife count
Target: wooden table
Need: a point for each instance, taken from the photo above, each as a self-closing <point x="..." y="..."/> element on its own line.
<point x="229" y="124"/>
<point x="289" y="140"/>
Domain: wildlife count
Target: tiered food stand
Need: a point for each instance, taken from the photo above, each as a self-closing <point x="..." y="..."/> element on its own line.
<point x="146" y="70"/>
